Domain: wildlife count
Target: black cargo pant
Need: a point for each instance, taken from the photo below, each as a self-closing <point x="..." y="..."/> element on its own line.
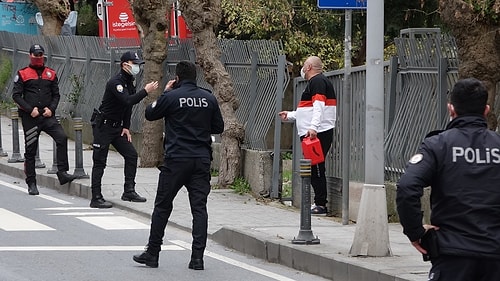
<point x="194" y="173"/>
<point x="454" y="268"/>
<point x="32" y="128"/>
<point x="104" y="136"/>
<point x="318" y="177"/>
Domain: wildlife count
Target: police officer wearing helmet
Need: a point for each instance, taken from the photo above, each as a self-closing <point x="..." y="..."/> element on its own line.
<point x="462" y="166"/>
<point x="36" y="93"/>
<point x="191" y="115"/>
<point x="110" y="126"/>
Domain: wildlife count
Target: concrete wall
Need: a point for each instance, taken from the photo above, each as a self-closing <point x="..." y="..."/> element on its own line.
<point x="356" y="189"/>
<point x="257" y="167"/>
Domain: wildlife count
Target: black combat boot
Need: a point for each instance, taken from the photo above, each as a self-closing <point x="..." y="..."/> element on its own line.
<point x="32" y="189"/>
<point x="64" y="177"/>
<point x="99" y="202"/>
<point x="148" y="257"/>
<point x="196" y="262"/>
<point x="129" y="194"/>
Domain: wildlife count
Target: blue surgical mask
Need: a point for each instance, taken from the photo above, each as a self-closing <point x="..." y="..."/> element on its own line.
<point x="134" y="69"/>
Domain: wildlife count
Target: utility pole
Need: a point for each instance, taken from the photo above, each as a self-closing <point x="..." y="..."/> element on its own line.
<point x="372" y="234"/>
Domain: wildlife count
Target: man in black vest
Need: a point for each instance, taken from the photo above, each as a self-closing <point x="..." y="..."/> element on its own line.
<point x="36" y="93"/>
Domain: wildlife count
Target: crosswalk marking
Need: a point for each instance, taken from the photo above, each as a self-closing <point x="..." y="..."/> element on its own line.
<point x="114" y="223"/>
<point x="47" y="197"/>
<point x="82" y="214"/>
<point x="64" y="208"/>
<point x="53" y="199"/>
<point x="84" y="248"/>
<point x="10" y="221"/>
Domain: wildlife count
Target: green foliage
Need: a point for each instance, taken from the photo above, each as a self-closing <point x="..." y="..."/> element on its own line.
<point x="303" y="29"/>
<point x="306" y="30"/>
<point x="7" y="104"/>
<point x="5" y="71"/>
<point x="241" y="186"/>
<point x="409" y="14"/>
<point x="286" y="187"/>
<point x="75" y="96"/>
<point x="87" y="24"/>
<point x="287" y="155"/>
<point x="214" y="172"/>
<point x="255" y="19"/>
<point x="488" y="10"/>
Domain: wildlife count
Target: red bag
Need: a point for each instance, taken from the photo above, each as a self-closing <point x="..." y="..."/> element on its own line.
<point x="312" y="150"/>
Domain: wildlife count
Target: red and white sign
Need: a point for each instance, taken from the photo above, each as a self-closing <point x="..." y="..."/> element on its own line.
<point x="116" y="20"/>
<point x="178" y="27"/>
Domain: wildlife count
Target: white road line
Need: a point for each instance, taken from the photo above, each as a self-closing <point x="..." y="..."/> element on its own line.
<point x="114" y="223"/>
<point x="25" y="190"/>
<point x="82" y="214"/>
<point x="236" y="263"/>
<point x="64" y="208"/>
<point x="10" y="221"/>
<point x="83" y="248"/>
<point x="53" y="199"/>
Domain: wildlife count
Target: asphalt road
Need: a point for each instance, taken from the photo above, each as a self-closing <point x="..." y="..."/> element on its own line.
<point x="54" y="237"/>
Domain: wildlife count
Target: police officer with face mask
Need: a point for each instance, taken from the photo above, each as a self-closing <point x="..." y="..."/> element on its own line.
<point x="36" y="93"/>
<point x="110" y="126"/>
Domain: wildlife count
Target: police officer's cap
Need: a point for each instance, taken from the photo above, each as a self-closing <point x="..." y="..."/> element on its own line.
<point x="36" y="49"/>
<point x="131" y="56"/>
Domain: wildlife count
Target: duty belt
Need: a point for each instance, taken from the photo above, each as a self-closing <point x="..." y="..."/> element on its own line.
<point x="112" y="123"/>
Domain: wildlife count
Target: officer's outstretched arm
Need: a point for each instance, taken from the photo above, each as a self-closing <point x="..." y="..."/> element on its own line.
<point x="153" y="112"/>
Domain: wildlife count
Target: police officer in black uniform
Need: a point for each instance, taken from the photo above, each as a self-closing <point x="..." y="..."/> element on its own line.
<point x="110" y="125"/>
<point x="462" y="166"/>
<point x="36" y="92"/>
<point x="191" y="115"/>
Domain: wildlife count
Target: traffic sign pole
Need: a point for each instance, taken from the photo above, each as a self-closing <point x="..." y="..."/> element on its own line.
<point x="347" y="5"/>
<point x="372" y="230"/>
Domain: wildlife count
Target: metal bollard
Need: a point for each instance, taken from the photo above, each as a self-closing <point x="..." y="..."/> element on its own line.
<point x="16" y="154"/>
<point x="38" y="162"/>
<point x="306" y="235"/>
<point x="2" y="153"/>
<point x="53" y="170"/>
<point x="78" y="126"/>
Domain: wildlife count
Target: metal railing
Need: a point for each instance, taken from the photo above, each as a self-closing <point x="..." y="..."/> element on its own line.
<point x="416" y="84"/>
<point x="254" y="67"/>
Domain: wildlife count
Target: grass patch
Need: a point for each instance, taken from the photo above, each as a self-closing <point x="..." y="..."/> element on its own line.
<point x="5" y="71"/>
<point x="286" y="188"/>
<point x="214" y="172"/>
<point x="241" y="186"/>
<point x="6" y="105"/>
<point x="287" y="155"/>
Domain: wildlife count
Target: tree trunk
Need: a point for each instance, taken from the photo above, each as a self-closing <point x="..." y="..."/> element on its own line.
<point x="478" y="42"/>
<point x="151" y="21"/>
<point x="54" y="13"/>
<point x="202" y="17"/>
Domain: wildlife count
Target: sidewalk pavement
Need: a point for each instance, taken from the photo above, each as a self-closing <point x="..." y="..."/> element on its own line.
<point x="256" y="227"/>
